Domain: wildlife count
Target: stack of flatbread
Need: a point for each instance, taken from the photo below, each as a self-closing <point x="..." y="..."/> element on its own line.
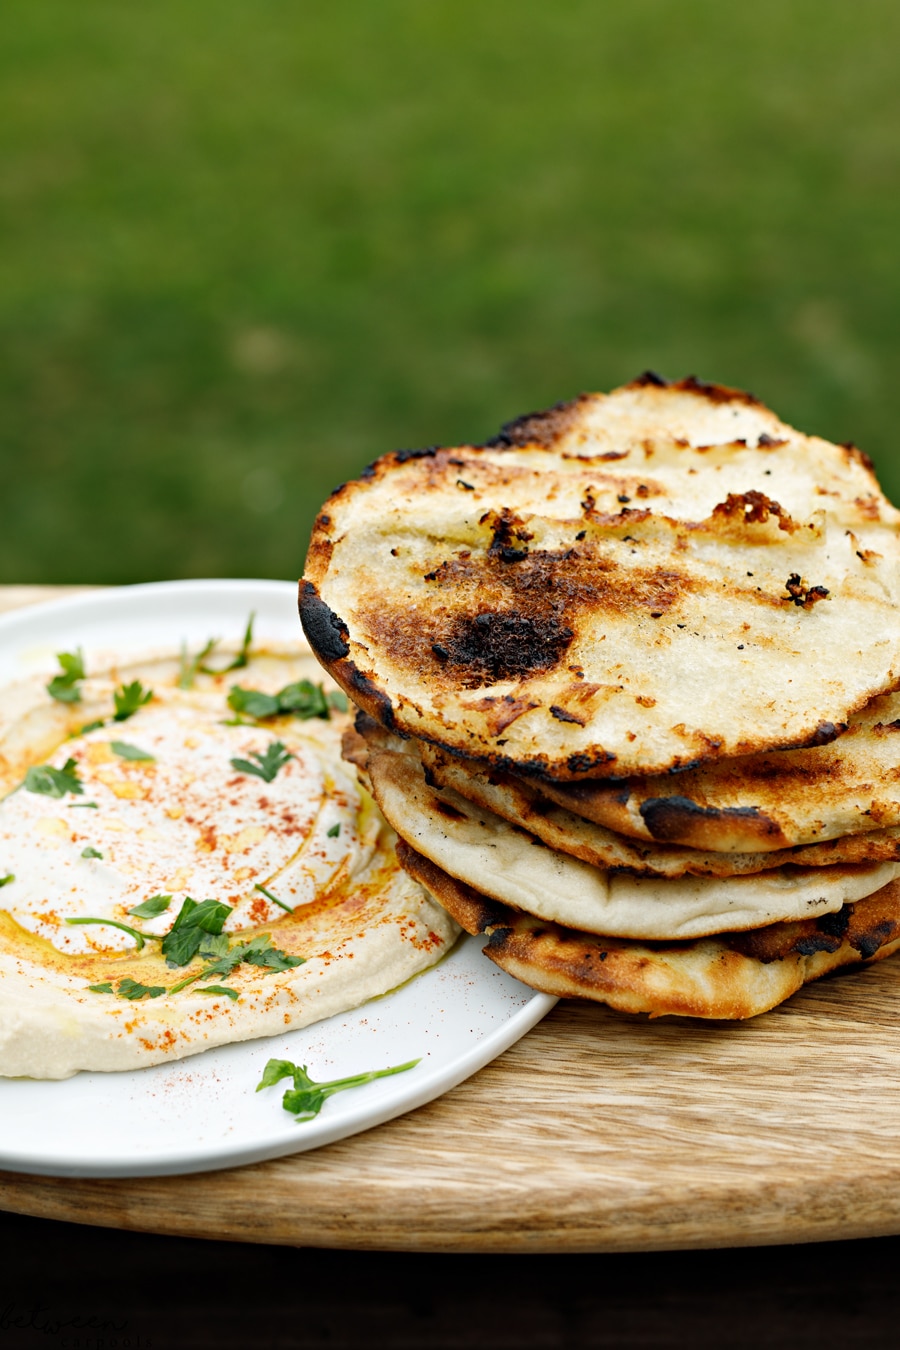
<point x="627" y="677"/>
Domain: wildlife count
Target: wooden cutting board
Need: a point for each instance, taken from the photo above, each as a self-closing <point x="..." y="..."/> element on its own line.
<point x="597" y="1132"/>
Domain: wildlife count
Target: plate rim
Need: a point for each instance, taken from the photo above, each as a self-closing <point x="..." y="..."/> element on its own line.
<point x="409" y="1094"/>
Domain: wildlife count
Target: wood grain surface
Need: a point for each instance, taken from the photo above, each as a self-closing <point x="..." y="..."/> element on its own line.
<point x="597" y="1132"/>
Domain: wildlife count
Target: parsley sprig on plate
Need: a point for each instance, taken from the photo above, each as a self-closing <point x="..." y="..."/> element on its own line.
<point x="307" y="1097"/>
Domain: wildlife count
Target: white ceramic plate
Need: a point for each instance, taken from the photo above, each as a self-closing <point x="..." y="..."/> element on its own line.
<point x="203" y="1113"/>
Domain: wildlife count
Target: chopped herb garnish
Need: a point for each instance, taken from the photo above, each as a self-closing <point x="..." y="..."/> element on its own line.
<point x="274" y="899"/>
<point x="83" y="806"/>
<point x="267" y="765"/>
<point x="54" y="782"/>
<point x="149" y="909"/>
<point x="334" y="831"/>
<point x="214" y="945"/>
<point x="129" y="698"/>
<point x="126" y="751"/>
<point x="133" y="990"/>
<point x="64" y="687"/>
<point x="183" y="984"/>
<point x="253" y="702"/>
<point x="114" y="923"/>
<point x="303" y="699"/>
<point x="260" y="952"/>
<point x="306" y="1099"/>
<point x="227" y="962"/>
<point x="190" y="667"/>
<point x="104" y="988"/>
<point x="242" y="657"/>
<point x="4" y="881"/>
<point x="90" y="852"/>
<point x="91" y="726"/>
<point x="257" y="952"/>
<point x="337" y="699"/>
<point x="183" y="940"/>
<point x="219" y="989"/>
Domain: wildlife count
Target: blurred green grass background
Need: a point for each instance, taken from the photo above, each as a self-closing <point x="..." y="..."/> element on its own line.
<point x="244" y="249"/>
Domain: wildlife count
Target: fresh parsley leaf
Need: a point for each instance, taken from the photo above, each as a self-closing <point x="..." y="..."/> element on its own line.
<point x="129" y="698"/>
<point x="83" y="806"/>
<point x="274" y="899"/>
<point x="253" y="702"/>
<point x="304" y="699"/>
<point x="114" y="923"/>
<point x="183" y="940"/>
<point x="91" y="726"/>
<point x="259" y="951"/>
<point x="50" y="782"/>
<point x="64" y="687"/>
<point x="63" y="690"/>
<point x="105" y="988"/>
<point x="149" y="909"/>
<point x="90" y="853"/>
<point x="183" y="984"/>
<point x="133" y="990"/>
<point x="337" y="699"/>
<point x="213" y="945"/>
<point x="334" y="831"/>
<point x="72" y="664"/>
<point x="267" y="765"/>
<point x="242" y="657"/>
<point x="126" y="751"/>
<point x="4" y="881"/>
<point x="209" y="916"/>
<point x="190" y="667"/>
<point x="225" y="964"/>
<point x="307" y="1097"/>
<point x="275" y="1070"/>
<point x="219" y="989"/>
<point x="180" y="948"/>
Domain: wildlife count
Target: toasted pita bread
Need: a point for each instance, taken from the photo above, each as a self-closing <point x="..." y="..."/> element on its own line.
<point x="722" y="977"/>
<point x="630" y="584"/>
<point x="507" y="863"/>
<point x="841" y="792"/>
<point x="522" y="802"/>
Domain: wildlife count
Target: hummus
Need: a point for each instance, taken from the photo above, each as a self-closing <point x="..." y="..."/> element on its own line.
<point x="246" y="836"/>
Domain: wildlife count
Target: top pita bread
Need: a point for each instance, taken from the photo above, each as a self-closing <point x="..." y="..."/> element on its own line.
<point x="628" y="584"/>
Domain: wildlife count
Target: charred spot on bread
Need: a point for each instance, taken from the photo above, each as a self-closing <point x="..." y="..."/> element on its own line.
<point x="675" y="819"/>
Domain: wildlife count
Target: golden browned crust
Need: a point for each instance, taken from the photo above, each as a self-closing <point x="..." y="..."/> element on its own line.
<point x="730" y="977"/>
<point x="540" y="808"/>
<point x="547" y="604"/>
<point x="473" y="912"/>
<point x="840" y="799"/>
<point x="512" y="865"/>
